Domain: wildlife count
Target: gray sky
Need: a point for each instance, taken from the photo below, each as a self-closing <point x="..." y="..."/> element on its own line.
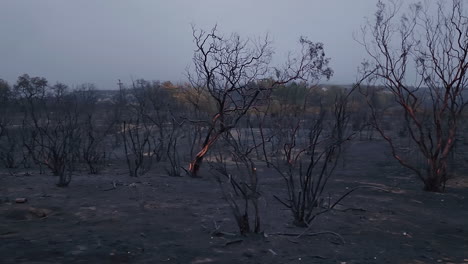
<point x="101" y="41"/>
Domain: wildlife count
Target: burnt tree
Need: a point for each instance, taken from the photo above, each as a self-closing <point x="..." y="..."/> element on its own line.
<point x="421" y="58"/>
<point x="229" y="70"/>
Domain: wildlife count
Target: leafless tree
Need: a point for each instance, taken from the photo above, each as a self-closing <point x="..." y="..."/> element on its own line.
<point x="240" y="183"/>
<point x="9" y="146"/>
<point x="143" y="126"/>
<point x="95" y="128"/>
<point x="432" y="40"/>
<point x="92" y="148"/>
<point x="31" y="95"/>
<point x="9" y="140"/>
<point x="229" y="68"/>
<point x="307" y="178"/>
<point x="5" y="91"/>
<point x="174" y="134"/>
<point x="154" y="105"/>
<point x="139" y="148"/>
<point x="53" y="123"/>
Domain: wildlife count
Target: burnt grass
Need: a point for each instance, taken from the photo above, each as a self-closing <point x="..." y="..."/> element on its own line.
<point x="160" y="219"/>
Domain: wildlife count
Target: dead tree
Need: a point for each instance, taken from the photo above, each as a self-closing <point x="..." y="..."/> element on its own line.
<point x="139" y="149"/>
<point x="92" y="150"/>
<point x="160" y="108"/>
<point x="307" y="168"/>
<point x="303" y="189"/>
<point x="432" y="40"/>
<point x="174" y="134"/>
<point x="154" y="105"/>
<point x="95" y="128"/>
<point x="228" y="69"/>
<point x="142" y="128"/>
<point x="31" y="96"/>
<point x="9" y="143"/>
<point x="240" y="184"/>
<point x="9" y="146"/>
<point x="53" y="123"/>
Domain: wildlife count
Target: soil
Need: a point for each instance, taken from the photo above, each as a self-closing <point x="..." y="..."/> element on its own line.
<point x="113" y="218"/>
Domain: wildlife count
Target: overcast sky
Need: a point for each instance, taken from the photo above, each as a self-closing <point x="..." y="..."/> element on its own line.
<point x="101" y="41"/>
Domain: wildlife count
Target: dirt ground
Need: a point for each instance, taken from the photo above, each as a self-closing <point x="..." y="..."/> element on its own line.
<point x="161" y="219"/>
